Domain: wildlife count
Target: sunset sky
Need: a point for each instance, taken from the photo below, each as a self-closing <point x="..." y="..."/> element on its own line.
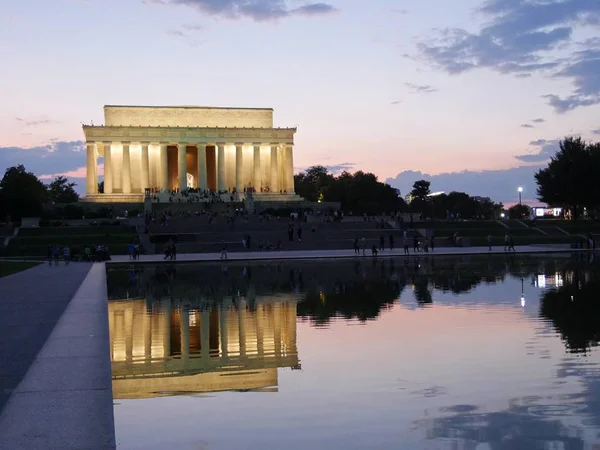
<point x="473" y="97"/>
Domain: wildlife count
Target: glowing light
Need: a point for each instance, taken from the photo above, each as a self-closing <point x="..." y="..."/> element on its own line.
<point x="520" y="189"/>
<point x="522" y="302"/>
<point x="503" y="215"/>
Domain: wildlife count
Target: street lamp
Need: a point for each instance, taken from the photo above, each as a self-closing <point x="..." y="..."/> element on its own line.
<point x="520" y="189"/>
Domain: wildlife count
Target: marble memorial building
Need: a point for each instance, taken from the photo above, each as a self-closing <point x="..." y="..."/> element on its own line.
<point x="169" y="148"/>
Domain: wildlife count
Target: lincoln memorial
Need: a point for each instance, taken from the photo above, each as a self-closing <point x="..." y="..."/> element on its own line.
<point x="158" y="347"/>
<point x="174" y="148"/>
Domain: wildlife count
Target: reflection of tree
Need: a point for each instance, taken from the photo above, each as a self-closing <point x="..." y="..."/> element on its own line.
<point x="515" y="428"/>
<point x="573" y="309"/>
<point x="353" y="288"/>
<point x="362" y="300"/>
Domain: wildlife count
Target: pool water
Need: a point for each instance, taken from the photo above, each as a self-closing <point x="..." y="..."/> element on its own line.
<point x="456" y="353"/>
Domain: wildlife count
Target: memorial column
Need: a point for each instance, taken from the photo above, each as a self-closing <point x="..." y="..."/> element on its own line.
<point x="126" y="169"/>
<point x="239" y="187"/>
<point x="108" y="170"/>
<point x="221" y="168"/>
<point x="145" y="167"/>
<point x="202" y="184"/>
<point x="223" y="331"/>
<point x="91" y="173"/>
<point x="164" y="167"/>
<point x="182" y="167"/>
<point x="274" y="169"/>
<point x="256" y="164"/>
<point x="289" y="172"/>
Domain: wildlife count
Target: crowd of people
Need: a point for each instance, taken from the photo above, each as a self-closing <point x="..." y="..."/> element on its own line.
<point x="88" y="253"/>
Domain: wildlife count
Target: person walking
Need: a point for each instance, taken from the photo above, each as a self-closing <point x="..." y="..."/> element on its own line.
<point x="381" y="243"/>
<point x="415" y="244"/>
<point x="391" y="242"/>
<point x="356" y="247"/>
<point x="432" y="243"/>
<point x="223" y="250"/>
<point x="66" y="254"/>
<point x="511" y="243"/>
<point x="363" y="245"/>
<point x="489" y="241"/>
<point x="506" y="242"/>
<point x="406" y="252"/>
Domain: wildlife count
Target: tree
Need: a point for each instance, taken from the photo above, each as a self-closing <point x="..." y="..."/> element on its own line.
<point x="312" y="183"/>
<point x="519" y="212"/>
<point x="421" y="189"/>
<point x="570" y="181"/>
<point x="61" y="191"/>
<point x="359" y="192"/>
<point x="22" y="194"/>
<point x="419" y="197"/>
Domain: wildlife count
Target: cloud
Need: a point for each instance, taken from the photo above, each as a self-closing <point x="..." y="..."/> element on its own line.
<point x="400" y="11"/>
<point x="597" y="132"/>
<point x="35" y="122"/>
<point x="420" y="89"/>
<point x="258" y="10"/>
<point x="499" y="185"/>
<point x="55" y="158"/>
<point x="545" y="150"/>
<point x="396" y="102"/>
<point x="527" y="125"/>
<point x="522" y="37"/>
<point x="341" y="167"/>
<point x="540" y="120"/>
<point x="178" y="34"/>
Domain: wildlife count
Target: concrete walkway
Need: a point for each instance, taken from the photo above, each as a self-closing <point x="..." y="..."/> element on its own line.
<point x="318" y="254"/>
<point x="64" y="401"/>
<point x="31" y="302"/>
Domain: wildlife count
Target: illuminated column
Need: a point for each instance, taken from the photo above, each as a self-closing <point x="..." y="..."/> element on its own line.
<point x="128" y="319"/>
<point x="256" y="168"/>
<point x="164" y="167"/>
<point x="108" y="172"/>
<point x="259" y="320"/>
<point x="91" y="174"/>
<point x="242" y="314"/>
<point x="147" y="327"/>
<point x="221" y="168"/>
<point x="289" y="171"/>
<point x="205" y="335"/>
<point x="202" y="167"/>
<point x="145" y="167"/>
<point x="166" y="306"/>
<point x="274" y="169"/>
<point x="223" y="313"/>
<point x="126" y="169"/>
<point x="182" y="172"/>
<point x="238" y="168"/>
<point x="185" y="333"/>
<point x="277" y="330"/>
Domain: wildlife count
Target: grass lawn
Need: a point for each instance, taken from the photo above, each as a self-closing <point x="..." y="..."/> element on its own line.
<point x="10" y="267"/>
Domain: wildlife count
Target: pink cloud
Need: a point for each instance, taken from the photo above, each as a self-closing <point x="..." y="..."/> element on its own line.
<point x="80" y="172"/>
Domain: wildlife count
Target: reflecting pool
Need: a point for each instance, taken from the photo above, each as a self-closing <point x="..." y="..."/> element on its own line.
<point x="477" y="352"/>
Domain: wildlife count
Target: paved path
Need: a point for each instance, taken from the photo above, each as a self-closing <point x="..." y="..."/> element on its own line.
<point x="311" y="254"/>
<point x="31" y="302"/>
<point x="65" y="399"/>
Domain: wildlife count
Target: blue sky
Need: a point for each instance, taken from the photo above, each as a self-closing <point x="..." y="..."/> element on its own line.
<point x="472" y="96"/>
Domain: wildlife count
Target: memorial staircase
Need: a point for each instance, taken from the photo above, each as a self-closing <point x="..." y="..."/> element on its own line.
<point x="197" y="235"/>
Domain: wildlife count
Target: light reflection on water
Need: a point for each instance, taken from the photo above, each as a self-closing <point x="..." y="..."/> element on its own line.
<point x="449" y="353"/>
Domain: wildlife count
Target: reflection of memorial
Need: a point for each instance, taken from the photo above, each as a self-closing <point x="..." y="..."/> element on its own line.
<point x="160" y="349"/>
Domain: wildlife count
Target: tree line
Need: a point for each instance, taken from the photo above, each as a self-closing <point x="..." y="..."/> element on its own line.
<point x="571" y="181"/>
<point x="22" y="194"/>
<point x="362" y="192"/>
